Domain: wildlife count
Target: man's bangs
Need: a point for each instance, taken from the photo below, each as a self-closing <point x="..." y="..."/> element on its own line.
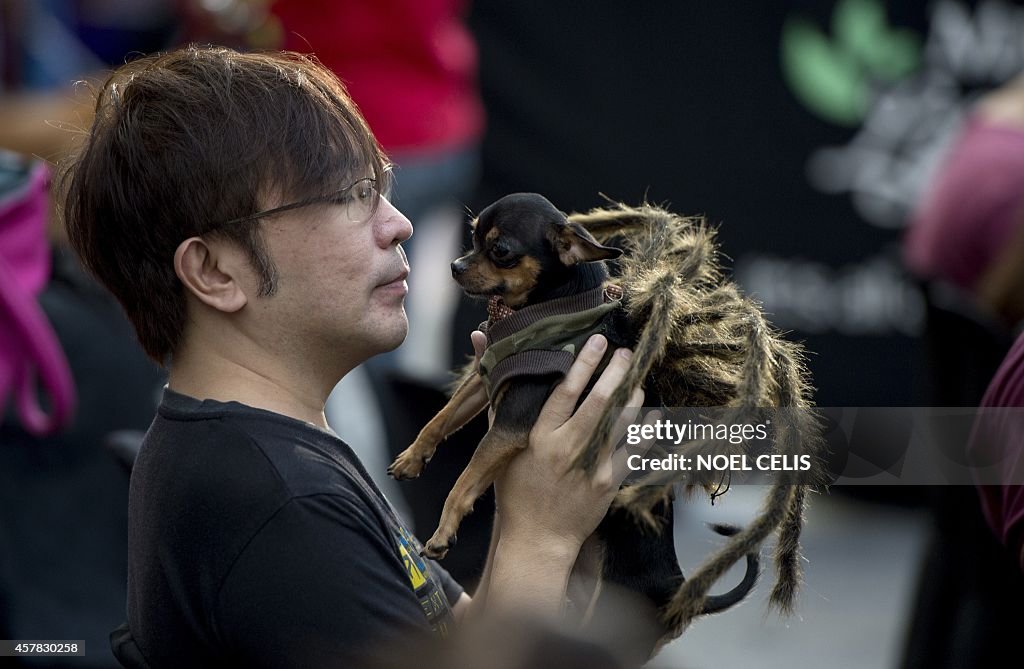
<point x="343" y="155"/>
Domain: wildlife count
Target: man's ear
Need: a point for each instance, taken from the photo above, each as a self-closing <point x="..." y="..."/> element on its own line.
<point x="575" y="245"/>
<point x="211" y="272"/>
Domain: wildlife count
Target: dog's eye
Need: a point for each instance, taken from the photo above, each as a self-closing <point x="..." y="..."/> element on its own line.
<point x="499" y="252"/>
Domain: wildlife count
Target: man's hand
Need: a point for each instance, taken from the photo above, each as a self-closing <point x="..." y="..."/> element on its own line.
<point x="541" y="495"/>
<point x="547" y="508"/>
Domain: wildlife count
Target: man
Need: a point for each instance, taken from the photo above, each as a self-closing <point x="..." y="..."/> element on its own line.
<point x="234" y="204"/>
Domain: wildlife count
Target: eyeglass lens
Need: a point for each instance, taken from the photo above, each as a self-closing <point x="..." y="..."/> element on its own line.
<point x="360" y="200"/>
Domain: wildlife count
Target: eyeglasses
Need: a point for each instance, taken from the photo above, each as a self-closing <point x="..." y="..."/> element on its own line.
<point x="360" y="199"/>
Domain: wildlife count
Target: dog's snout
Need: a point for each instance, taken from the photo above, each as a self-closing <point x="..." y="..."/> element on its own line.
<point x="458" y="267"/>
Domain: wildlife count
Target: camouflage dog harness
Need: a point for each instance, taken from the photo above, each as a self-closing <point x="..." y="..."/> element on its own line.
<point x="543" y="338"/>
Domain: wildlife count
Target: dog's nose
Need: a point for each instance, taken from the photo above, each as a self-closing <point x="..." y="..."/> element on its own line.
<point x="458" y="267"/>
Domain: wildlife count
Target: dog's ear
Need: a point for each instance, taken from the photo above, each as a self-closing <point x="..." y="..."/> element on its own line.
<point x="574" y="244"/>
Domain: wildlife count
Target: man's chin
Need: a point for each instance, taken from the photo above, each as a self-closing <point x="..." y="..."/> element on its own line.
<point x="392" y="334"/>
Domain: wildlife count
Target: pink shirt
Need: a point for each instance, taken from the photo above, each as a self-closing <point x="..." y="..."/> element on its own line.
<point x="1004" y="505"/>
<point x="972" y="206"/>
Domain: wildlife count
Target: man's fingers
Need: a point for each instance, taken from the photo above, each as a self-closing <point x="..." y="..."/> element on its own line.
<point x="620" y="458"/>
<point x="592" y="408"/>
<point x="562" y="401"/>
<point x="626" y="416"/>
<point x="611" y="463"/>
<point x="479" y="340"/>
<point x="629" y="412"/>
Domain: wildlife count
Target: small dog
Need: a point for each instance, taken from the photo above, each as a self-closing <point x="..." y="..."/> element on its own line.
<point x="548" y="290"/>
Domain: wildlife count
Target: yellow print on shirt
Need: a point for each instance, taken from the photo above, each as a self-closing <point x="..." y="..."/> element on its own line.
<point x="415" y="566"/>
<point x="416" y="576"/>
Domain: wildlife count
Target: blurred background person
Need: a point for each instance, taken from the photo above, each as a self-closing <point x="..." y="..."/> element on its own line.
<point x="63" y="488"/>
<point x="999" y="438"/>
<point x="965" y="243"/>
<point x="47" y="45"/>
<point x="63" y="482"/>
<point x="969" y="228"/>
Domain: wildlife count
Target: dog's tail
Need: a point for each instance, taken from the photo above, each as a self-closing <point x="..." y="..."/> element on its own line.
<point x="719" y="603"/>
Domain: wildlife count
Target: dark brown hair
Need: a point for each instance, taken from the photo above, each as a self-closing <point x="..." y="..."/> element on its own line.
<point x="182" y="142"/>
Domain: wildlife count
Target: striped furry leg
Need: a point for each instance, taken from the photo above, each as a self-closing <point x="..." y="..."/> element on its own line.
<point x="649" y="349"/>
<point x="787" y="553"/>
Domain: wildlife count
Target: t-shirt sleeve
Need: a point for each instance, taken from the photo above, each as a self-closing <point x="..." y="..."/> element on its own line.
<point x="451" y="587"/>
<point x="320" y="585"/>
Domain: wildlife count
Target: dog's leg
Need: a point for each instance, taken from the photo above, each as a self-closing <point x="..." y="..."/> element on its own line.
<point x="494" y="452"/>
<point x="469" y="399"/>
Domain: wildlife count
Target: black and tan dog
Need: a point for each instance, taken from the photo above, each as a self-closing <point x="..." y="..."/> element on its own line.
<point x="549" y="291"/>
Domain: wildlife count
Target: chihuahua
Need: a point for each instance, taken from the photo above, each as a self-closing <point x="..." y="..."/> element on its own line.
<point x="548" y="291"/>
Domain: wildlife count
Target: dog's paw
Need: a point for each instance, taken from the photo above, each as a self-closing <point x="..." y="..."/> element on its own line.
<point x="408" y="465"/>
<point x="437" y="547"/>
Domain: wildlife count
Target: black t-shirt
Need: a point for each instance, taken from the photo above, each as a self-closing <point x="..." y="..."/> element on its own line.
<point x="259" y="540"/>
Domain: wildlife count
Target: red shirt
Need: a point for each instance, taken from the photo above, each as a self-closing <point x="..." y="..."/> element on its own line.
<point x="410" y="65"/>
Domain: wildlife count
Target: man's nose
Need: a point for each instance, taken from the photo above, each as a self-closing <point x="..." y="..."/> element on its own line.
<point x="396" y="227"/>
<point x="458" y="267"/>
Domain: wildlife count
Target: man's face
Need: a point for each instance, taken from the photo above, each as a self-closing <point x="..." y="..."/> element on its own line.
<point x="341" y="281"/>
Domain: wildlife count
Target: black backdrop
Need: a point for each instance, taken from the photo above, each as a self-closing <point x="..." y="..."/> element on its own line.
<point x="689" y="104"/>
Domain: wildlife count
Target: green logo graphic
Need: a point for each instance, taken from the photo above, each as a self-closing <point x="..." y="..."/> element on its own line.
<point x="833" y="77"/>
